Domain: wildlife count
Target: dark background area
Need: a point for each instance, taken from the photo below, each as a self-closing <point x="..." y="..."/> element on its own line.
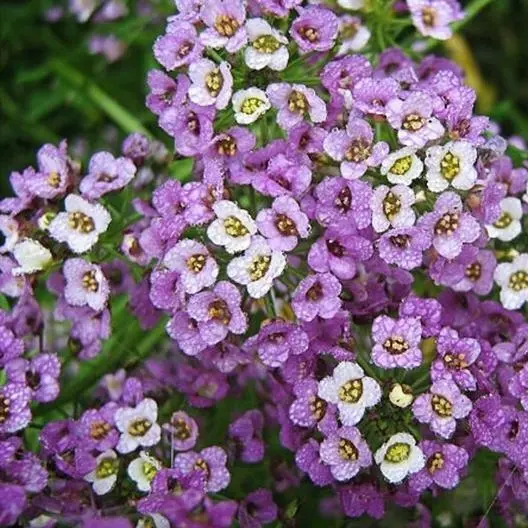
<point x="52" y="88"/>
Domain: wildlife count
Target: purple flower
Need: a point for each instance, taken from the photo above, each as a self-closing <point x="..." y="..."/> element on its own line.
<point x="197" y="269"/>
<point x="478" y="273"/>
<point x="179" y="47"/>
<point x="40" y="374"/>
<point x="307" y="138"/>
<point x="246" y="432"/>
<point x="257" y="509"/>
<point x="13" y="503"/>
<point x="225" y="24"/>
<point x="276" y="341"/>
<point x="96" y="428"/>
<point x="106" y="174"/>
<point x="315" y="29"/>
<point x="346" y="452"/>
<point x="294" y="101"/>
<point x="85" y="284"/>
<point x="190" y="125"/>
<point x="166" y="290"/>
<point x="413" y="118"/>
<point x="217" y="312"/>
<point x="317" y="295"/>
<point x="307" y="410"/>
<point x="354" y="148"/>
<point x="283" y="223"/>
<point x="455" y="355"/>
<point x="10" y="346"/>
<point x="362" y="499"/>
<point x="340" y="199"/>
<point x="211" y="461"/>
<point x="444" y="465"/>
<point x="309" y="461"/>
<point x="165" y="92"/>
<point x="404" y="246"/>
<point x="211" y="84"/>
<point x="432" y="17"/>
<point x="182" y="430"/>
<point x="371" y="95"/>
<point x="518" y="386"/>
<point x="14" y="407"/>
<point x="397" y="342"/>
<point x="428" y="311"/>
<point x="184" y="331"/>
<point x="442" y="407"/>
<point x="450" y="226"/>
<point x="338" y="251"/>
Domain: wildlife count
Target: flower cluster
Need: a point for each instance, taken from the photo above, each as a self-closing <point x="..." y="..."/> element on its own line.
<point x="335" y="252"/>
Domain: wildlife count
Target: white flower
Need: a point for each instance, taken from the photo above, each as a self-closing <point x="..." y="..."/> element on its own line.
<point x="350" y="390"/>
<point x="391" y="206"/>
<point x="266" y="46"/>
<point x="354" y="35"/>
<point x="138" y="426"/>
<point x="451" y="164"/>
<point x="249" y="105"/>
<point x="9" y="233"/>
<point x="402" y="166"/>
<point x="104" y="476"/>
<point x="232" y="228"/>
<point x="211" y="83"/>
<point x="85" y="284"/>
<point x="257" y="267"/>
<point x="351" y="4"/>
<point x="81" y="224"/>
<point x="31" y="256"/>
<point x="143" y="469"/>
<point x="401" y="396"/>
<point x="508" y="226"/>
<point x="399" y="457"/>
<point x="158" y="520"/>
<point x="512" y="277"/>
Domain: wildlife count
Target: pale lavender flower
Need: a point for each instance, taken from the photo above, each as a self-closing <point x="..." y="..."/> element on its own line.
<point x="182" y="430"/>
<point x="442" y="407"/>
<point x="404" y="246"/>
<point x="315" y="29"/>
<point x="355" y="148"/>
<point x="179" y="47"/>
<point x="14" y="407"/>
<point x="317" y="295"/>
<point x="54" y="174"/>
<point x="397" y="342"/>
<point x="165" y="92"/>
<point x="432" y="17"/>
<point x="371" y="95"/>
<point x="211" y="84"/>
<point x="85" y="284"/>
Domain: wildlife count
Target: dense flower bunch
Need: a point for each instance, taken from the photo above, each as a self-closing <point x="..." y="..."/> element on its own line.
<point x="336" y="251"/>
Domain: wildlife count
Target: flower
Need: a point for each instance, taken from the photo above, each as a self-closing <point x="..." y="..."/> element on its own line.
<point x="211" y="462"/>
<point x="345" y="452"/>
<point x="246" y="432"/>
<point x="294" y="101"/>
<point x="315" y="29"/>
<point x="512" y="277"/>
<point x="353" y="34"/>
<point x="450" y="226"/>
<point x="317" y="295"/>
<point x="432" y="17"/>
<point x="54" y="174"/>
<point x="404" y="246"/>
<point x="257" y="509"/>
<point x="106" y="174"/>
<point x="402" y="166"/>
<point x="413" y="118"/>
<point x="441" y="407"/>
<point x="249" y="105"/>
<point x="397" y="342"/>
<point x="392" y="206"/>
<point x="225" y="24"/>
<point x="143" y="469"/>
<point x="233" y="227"/>
<point x="354" y="148"/>
<point x="217" y="312"/>
<point x="350" y="390"/>
<point x="257" y="267"/>
<point x="267" y="46"/>
<point x="14" y="407"/>
<point x="31" y="256"/>
<point x="183" y="431"/>
<point x="283" y="223"/>
<point x="197" y="269"/>
<point x="81" y="224"/>
<point x="455" y="355"/>
<point x="85" y="284"/>
<point x="179" y="47"/>
<point x="508" y="225"/>
<point x="451" y="164"/>
<point x="104" y="476"/>
<point x="211" y="84"/>
<point x="307" y="409"/>
<point x="443" y="467"/>
<point x="8" y="233"/>
<point x="399" y="457"/>
<point x="138" y="426"/>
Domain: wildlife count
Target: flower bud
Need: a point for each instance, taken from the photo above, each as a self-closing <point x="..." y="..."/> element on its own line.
<point x="401" y="395"/>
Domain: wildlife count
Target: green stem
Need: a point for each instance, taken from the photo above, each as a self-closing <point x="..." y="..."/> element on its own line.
<point x="109" y="106"/>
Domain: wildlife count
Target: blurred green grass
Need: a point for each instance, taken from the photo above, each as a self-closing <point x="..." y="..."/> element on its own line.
<point x="52" y="88"/>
